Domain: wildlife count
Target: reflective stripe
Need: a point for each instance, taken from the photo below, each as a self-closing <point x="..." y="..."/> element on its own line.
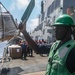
<point x="63" y="52"/>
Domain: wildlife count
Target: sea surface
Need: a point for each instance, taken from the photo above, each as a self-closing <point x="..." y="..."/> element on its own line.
<point x="2" y="46"/>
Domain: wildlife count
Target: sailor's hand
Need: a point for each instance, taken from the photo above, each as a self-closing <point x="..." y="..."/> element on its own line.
<point x="22" y="27"/>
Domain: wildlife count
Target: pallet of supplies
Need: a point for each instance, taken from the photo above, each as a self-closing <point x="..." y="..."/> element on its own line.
<point x="15" y="51"/>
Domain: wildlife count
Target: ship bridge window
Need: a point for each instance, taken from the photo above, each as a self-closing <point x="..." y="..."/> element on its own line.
<point x="57" y="3"/>
<point x="49" y="31"/>
<point x="48" y="11"/>
<point x="42" y="18"/>
<point x="43" y="31"/>
<point x="53" y="6"/>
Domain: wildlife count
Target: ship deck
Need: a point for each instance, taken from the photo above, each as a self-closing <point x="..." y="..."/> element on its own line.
<point x="35" y="65"/>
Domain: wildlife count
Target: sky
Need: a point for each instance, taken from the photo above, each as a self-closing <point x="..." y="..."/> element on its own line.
<point x="18" y="7"/>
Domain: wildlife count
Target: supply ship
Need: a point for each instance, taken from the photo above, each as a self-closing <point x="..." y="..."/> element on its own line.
<point x="50" y="10"/>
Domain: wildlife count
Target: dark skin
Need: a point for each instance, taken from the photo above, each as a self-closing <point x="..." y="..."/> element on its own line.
<point x="63" y="31"/>
<point x="31" y="43"/>
<point x="65" y="35"/>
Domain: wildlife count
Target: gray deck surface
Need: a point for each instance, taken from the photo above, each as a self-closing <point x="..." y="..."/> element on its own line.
<point x="33" y="64"/>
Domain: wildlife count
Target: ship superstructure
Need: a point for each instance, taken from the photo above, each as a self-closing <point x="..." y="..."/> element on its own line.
<point x="50" y="10"/>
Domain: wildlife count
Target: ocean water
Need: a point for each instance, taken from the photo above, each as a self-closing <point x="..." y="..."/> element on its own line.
<point x="2" y="46"/>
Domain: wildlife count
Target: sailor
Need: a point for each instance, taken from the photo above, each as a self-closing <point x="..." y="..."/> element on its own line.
<point x="61" y="58"/>
<point x="62" y="53"/>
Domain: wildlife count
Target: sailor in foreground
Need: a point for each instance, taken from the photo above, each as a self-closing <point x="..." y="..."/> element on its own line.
<point x="61" y="59"/>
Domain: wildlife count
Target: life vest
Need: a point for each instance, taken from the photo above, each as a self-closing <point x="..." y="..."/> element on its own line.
<point x="56" y="62"/>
